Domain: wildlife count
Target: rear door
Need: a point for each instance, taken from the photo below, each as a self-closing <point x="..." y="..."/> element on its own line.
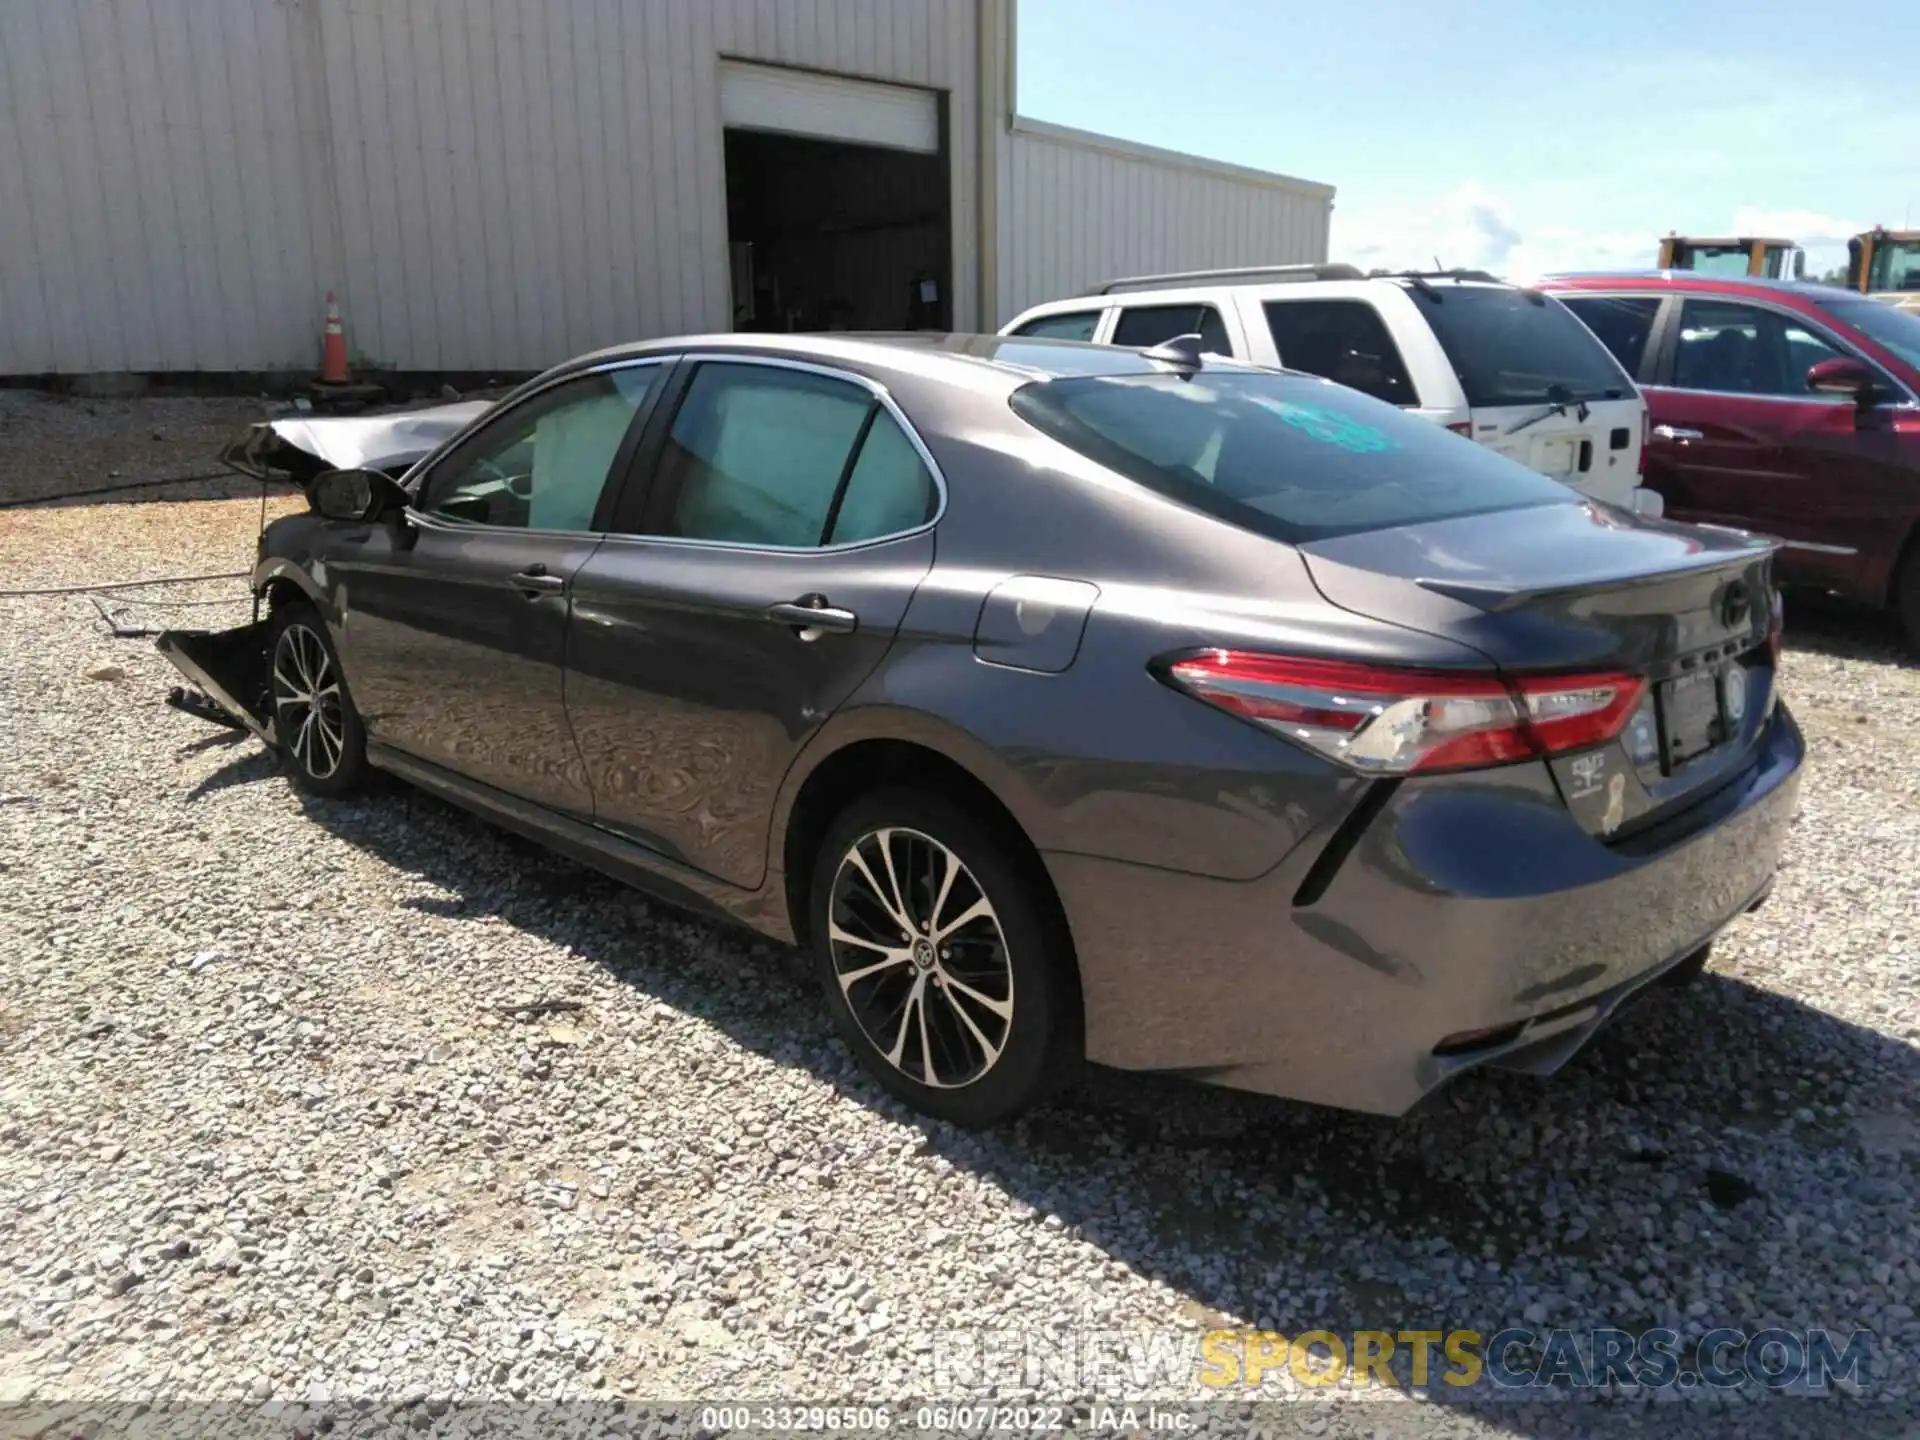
<point x="452" y="643"/>
<point x="1539" y="387"/>
<point x="1739" y="439"/>
<point x="753" y="585"/>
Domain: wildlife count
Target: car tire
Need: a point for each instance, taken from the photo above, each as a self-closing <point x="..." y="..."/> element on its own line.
<point x="1688" y="972"/>
<point x="966" y="1019"/>
<point x="323" y="746"/>
<point x="1906" y="598"/>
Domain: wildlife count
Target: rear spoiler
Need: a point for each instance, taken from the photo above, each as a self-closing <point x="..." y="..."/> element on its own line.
<point x="1745" y="546"/>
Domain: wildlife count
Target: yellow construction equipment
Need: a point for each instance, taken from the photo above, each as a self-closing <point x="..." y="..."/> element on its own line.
<point x="1885" y="264"/>
<point x="1744" y="255"/>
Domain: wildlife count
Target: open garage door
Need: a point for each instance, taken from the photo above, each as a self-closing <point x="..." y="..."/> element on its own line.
<point x="838" y="202"/>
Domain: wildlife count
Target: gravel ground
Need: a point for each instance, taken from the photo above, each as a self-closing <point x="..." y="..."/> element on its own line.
<point x="53" y="445"/>
<point x="268" y="1132"/>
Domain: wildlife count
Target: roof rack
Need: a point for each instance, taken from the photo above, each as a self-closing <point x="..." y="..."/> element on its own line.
<point x="1480" y="275"/>
<point x="1252" y="275"/>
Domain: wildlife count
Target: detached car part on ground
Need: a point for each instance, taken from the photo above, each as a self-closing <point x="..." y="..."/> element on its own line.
<point x="1063" y="699"/>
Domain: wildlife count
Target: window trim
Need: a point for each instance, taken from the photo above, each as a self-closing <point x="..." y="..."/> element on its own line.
<point x="689" y="366"/>
<point x="1900" y="395"/>
<point x="417" y="480"/>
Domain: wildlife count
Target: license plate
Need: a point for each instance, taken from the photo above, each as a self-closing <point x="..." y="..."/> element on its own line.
<point x="1555" y="456"/>
<point x="1690" y="717"/>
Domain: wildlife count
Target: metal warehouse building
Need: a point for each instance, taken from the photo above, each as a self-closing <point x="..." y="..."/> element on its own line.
<point x="492" y="185"/>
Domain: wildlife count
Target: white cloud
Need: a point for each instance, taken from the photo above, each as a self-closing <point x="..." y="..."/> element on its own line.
<point x="1475" y="228"/>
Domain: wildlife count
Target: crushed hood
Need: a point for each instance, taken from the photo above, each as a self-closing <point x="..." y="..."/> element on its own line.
<point x="305" y="445"/>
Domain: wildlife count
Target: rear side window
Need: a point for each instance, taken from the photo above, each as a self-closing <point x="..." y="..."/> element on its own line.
<point x="1622" y="323"/>
<point x="1150" y="325"/>
<point x="1344" y="340"/>
<point x="760" y="455"/>
<point x="1517" y="347"/>
<point x="1080" y="325"/>
<point x="1281" y="455"/>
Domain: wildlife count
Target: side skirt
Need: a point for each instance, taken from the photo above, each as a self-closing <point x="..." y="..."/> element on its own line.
<point x="591" y="846"/>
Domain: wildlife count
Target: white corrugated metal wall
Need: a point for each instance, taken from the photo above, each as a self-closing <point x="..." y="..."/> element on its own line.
<point x="158" y="201"/>
<point x="496" y="184"/>
<point x="490" y="184"/>
<point x="1077" y="208"/>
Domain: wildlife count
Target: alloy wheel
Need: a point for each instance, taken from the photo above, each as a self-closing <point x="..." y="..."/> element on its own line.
<point x="921" y="958"/>
<point x="306" y="701"/>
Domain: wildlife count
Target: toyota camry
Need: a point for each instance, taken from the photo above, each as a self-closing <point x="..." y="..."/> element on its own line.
<point x="1064" y="701"/>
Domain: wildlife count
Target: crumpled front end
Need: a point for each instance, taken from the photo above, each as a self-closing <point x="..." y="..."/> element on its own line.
<point x="306" y="446"/>
<point x="229" y="667"/>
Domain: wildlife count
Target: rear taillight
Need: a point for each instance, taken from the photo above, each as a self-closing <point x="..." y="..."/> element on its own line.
<point x="1397" y="722"/>
<point x="1646" y="438"/>
<point x="1777" y="628"/>
<point x="1462" y="427"/>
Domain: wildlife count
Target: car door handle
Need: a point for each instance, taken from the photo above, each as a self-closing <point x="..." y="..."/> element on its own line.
<point x="1676" y="432"/>
<point x="811" y="617"/>
<point x="534" y="581"/>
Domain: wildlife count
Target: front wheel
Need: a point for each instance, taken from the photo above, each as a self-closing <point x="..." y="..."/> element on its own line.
<point x="323" y="747"/>
<point x="942" y="965"/>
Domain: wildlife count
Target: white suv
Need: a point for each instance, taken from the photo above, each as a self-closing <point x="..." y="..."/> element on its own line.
<point x="1508" y="367"/>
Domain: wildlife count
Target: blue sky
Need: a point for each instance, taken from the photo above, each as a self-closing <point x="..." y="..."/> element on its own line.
<point x="1524" y="137"/>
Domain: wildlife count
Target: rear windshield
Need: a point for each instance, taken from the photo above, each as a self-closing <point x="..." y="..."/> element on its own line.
<point x="1286" y="456"/>
<point x="1898" y="330"/>
<point x="1518" y="347"/>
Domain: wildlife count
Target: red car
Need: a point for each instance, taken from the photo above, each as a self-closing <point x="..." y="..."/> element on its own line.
<point x="1790" y="409"/>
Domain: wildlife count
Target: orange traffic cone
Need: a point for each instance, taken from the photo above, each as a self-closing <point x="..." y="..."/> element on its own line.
<point x="333" y="346"/>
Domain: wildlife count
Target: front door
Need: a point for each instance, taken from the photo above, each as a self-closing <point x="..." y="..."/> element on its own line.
<point x="1738" y="439"/>
<point x="454" y="645"/>
<point x="786" y="529"/>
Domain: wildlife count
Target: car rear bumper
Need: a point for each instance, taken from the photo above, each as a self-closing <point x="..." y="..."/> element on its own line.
<point x="1443" y="924"/>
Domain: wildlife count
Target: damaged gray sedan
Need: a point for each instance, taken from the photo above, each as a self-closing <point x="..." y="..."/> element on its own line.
<point x="1063" y="700"/>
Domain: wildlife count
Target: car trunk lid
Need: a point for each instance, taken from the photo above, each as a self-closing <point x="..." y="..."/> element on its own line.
<point x="1583" y="588"/>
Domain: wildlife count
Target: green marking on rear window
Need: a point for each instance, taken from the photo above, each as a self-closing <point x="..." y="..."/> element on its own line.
<point x="1329" y="427"/>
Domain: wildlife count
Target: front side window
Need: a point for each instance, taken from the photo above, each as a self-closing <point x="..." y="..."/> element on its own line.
<point x="760" y="455"/>
<point x="1518" y="347"/>
<point x="1282" y="455"/>
<point x="1898" y="330"/>
<point x="1079" y="325"/>
<point x="1344" y="340"/>
<point x="543" y="465"/>
<point x="1736" y="349"/>
<point x="1148" y="325"/>
<point x="1623" y="323"/>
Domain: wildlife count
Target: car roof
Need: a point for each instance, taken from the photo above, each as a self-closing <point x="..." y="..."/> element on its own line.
<point x="1015" y="359"/>
<point x="1757" y="286"/>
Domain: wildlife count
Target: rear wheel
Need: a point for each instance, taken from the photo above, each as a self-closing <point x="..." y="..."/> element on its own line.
<point x="1689" y="970"/>
<point x="1906" y="597"/>
<point x="323" y="747"/>
<point x="940" y="961"/>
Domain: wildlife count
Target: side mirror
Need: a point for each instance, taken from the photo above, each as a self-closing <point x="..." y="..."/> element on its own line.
<point x="1844" y="375"/>
<point x="356" y="495"/>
